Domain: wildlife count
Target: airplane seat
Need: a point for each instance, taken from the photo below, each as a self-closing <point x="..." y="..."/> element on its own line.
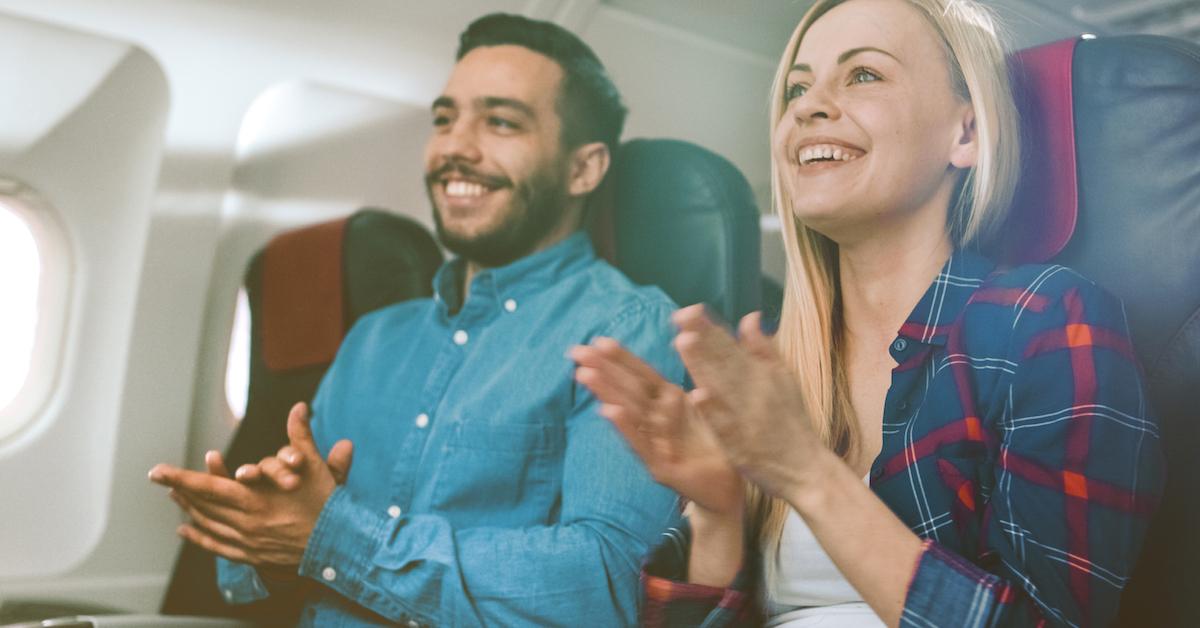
<point x="676" y="215"/>
<point x="1111" y="187"/>
<point x="305" y="288"/>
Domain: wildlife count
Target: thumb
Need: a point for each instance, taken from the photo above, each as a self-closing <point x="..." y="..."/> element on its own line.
<point x="340" y="457"/>
<point x="299" y="433"/>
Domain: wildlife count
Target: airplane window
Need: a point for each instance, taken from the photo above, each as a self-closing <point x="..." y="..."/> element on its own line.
<point x="19" y="285"/>
<point x="20" y="276"/>
<point x="237" y="368"/>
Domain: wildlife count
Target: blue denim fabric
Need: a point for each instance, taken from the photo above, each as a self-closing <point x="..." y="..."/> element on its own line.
<point x="485" y="489"/>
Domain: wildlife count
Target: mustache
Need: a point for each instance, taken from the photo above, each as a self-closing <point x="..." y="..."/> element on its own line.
<point x="468" y="173"/>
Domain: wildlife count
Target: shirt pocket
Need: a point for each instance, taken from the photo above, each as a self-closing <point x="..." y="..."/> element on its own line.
<point x="500" y="474"/>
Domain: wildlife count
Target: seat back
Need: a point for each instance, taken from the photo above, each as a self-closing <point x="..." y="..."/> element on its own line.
<point x="678" y="216"/>
<point x="1113" y="154"/>
<point x="306" y="288"/>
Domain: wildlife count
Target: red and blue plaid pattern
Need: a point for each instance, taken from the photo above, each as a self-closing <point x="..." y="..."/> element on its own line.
<point x="1016" y="441"/>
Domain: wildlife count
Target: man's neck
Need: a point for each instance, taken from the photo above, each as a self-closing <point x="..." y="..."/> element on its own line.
<point x="564" y="230"/>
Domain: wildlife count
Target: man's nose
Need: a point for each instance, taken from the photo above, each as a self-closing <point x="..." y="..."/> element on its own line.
<point x="458" y="142"/>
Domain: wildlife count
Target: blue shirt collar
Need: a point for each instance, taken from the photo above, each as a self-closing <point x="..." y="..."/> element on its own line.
<point x="944" y="300"/>
<point x="530" y="274"/>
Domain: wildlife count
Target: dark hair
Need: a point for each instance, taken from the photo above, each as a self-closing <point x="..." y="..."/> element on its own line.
<point x="588" y="102"/>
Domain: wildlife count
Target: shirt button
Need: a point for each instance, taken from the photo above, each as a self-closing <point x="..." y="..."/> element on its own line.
<point x="329" y="574"/>
<point x="393" y="511"/>
<point x="422" y="420"/>
<point x="412" y="623"/>
<point x="510" y="305"/>
<point x="228" y="595"/>
<point x="899" y="345"/>
<point x="460" y="337"/>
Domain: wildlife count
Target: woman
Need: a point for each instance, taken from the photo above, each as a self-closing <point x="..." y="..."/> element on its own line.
<point x="992" y="463"/>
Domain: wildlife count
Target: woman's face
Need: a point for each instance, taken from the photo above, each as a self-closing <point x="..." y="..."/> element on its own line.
<point x="872" y="132"/>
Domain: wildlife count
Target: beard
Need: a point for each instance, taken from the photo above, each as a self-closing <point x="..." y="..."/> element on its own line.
<point x="536" y="208"/>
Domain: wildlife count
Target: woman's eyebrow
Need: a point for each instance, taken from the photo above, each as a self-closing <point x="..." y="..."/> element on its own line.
<point x="842" y="58"/>
<point x="853" y="51"/>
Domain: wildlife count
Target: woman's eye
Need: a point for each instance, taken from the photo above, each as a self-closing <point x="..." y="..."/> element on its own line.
<point x="863" y="75"/>
<point x="795" y="90"/>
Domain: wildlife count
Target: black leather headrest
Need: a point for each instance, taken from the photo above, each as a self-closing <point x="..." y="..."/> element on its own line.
<point x="1137" y="130"/>
<point x="681" y="217"/>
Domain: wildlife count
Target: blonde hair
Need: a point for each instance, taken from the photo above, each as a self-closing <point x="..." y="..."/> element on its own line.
<point x="810" y="330"/>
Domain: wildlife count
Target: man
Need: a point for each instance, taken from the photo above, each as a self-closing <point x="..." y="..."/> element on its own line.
<point x="485" y="489"/>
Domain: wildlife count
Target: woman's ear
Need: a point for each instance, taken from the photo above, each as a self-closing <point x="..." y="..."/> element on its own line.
<point x="588" y="165"/>
<point x="964" y="153"/>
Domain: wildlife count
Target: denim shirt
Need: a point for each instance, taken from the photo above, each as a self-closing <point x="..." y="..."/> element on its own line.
<point x="485" y="488"/>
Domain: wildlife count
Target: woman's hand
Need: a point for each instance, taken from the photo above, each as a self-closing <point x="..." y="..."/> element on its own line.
<point x="751" y="400"/>
<point x="660" y="422"/>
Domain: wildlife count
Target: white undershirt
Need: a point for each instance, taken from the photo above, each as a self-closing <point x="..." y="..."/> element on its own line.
<point x="808" y="589"/>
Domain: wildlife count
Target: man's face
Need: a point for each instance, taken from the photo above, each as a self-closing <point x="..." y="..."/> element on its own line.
<point x="495" y="167"/>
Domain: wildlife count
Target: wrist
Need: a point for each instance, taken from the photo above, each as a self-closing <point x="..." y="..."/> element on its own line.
<point x="812" y="491"/>
<point x="717" y="547"/>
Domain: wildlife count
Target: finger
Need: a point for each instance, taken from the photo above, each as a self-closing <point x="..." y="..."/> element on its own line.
<point x="193" y="535"/>
<point x="751" y="338"/>
<point x="693" y="318"/>
<point x="248" y="474"/>
<point x="610" y="385"/>
<point x="668" y="417"/>
<point x="606" y="354"/>
<point x="215" y="463"/>
<point x="214" y="511"/>
<point x="341" y="455"/>
<point x="278" y="473"/>
<point x="623" y="377"/>
<point x="291" y="457"/>
<point x="300" y="433"/>
<point x="628" y="426"/>
<point x="714" y="360"/>
<point x="201" y="485"/>
<point x="214" y="527"/>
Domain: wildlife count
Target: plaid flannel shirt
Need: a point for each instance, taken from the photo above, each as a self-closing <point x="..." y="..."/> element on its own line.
<point x="1017" y="442"/>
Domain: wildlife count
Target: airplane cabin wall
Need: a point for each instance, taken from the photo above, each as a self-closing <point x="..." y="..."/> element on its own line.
<point x="291" y="111"/>
<point x="219" y="197"/>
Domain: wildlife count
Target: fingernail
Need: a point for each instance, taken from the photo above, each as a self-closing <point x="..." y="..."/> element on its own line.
<point x="154" y="474"/>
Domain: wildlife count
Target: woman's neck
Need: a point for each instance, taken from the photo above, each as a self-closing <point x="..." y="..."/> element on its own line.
<point x="882" y="279"/>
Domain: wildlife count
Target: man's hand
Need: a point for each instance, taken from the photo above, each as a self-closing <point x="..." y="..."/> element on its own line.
<point x="259" y="524"/>
<point x="284" y="468"/>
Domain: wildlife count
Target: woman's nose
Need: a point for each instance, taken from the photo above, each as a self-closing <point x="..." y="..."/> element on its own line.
<point x="816" y="103"/>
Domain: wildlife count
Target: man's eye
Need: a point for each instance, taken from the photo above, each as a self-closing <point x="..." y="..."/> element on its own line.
<point x="795" y="90"/>
<point x="440" y="121"/>
<point x="502" y="123"/>
<point x="863" y="75"/>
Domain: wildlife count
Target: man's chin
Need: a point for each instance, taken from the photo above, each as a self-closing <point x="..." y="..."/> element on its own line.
<point x="486" y="252"/>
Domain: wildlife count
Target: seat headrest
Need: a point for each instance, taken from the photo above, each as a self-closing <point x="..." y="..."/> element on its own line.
<point x="302" y="292"/>
<point x="319" y="279"/>
<point x="1136" y="106"/>
<point x="1046" y="202"/>
<point x="678" y="216"/>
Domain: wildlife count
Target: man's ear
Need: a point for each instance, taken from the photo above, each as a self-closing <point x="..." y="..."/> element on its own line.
<point x="965" y="151"/>
<point x="588" y="165"/>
